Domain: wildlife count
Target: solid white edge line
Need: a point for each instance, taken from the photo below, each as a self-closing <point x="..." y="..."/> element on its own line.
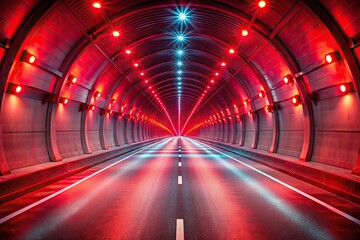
<point x="179" y="179"/>
<point x="20" y="211"/>
<point x="180" y="229"/>
<point x="338" y="211"/>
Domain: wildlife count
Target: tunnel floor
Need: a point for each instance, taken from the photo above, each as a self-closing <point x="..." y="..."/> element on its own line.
<point x="180" y="188"/>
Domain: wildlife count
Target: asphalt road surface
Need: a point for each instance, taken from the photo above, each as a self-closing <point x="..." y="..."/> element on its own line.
<point x="178" y="189"/>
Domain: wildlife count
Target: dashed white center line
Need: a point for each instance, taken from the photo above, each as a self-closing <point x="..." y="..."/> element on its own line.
<point x="179" y="229"/>
<point x="179" y="155"/>
<point x="179" y="179"/>
<point x="179" y="164"/>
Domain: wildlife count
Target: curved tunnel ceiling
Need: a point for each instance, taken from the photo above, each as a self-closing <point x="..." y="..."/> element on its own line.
<point x="140" y="67"/>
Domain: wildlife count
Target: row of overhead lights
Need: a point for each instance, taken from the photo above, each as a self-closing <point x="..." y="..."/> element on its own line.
<point x="223" y="64"/>
<point x="295" y="100"/>
<point x="288" y="79"/>
<point x="72" y="79"/>
<point x="182" y="20"/>
<point x="136" y="65"/>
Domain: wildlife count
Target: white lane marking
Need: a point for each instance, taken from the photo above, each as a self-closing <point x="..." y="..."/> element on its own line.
<point x="180" y="229"/>
<point x="179" y="179"/>
<point x="20" y="211"/>
<point x="179" y="164"/>
<point x="338" y="211"/>
<point x="179" y="155"/>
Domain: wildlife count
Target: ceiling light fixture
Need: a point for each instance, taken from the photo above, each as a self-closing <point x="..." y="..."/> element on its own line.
<point x="345" y="88"/>
<point x="116" y="33"/>
<point x="97" y="94"/>
<point x="244" y="33"/>
<point x="64" y="100"/>
<point x="262" y="4"/>
<point x="332" y="57"/>
<point x="295" y="100"/>
<point x="288" y="79"/>
<point x="262" y="94"/>
<point x="18" y="89"/>
<point x="96" y="5"/>
<point x="28" y="57"/>
<point x="180" y="38"/>
<point x="182" y="16"/>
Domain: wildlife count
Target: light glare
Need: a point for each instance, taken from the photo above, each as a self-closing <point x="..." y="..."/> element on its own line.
<point x="244" y="32"/>
<point x="344" y="88"/>
<point x="18" y="89"/>
<point x="116" y="33"/>
<point x="96" y="5"/>
<point x="180" y="38"/>
<point x="182" y="16"/>
<point x="329" y="58"/>
<point x="262" y="4"/>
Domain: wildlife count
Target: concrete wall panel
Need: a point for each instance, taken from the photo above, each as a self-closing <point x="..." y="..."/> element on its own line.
<point x="250" y="131"/>
<point x="337" y="138"/>
<point x="109" y="131"/>
<point x="291" y="132"/>
<point x="265" y="130"/>
<point x="24" y="149"/>
<point x="69" y="143"/>
<point x="121" y="132"/>
<point x="93" y="124"/>
<point x="23" y="122"/>
<point x="68" y="120"/>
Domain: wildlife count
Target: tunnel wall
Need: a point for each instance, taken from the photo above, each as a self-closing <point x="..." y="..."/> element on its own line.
<point x="324" y="129"/>
<point x="68" y="130"/>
